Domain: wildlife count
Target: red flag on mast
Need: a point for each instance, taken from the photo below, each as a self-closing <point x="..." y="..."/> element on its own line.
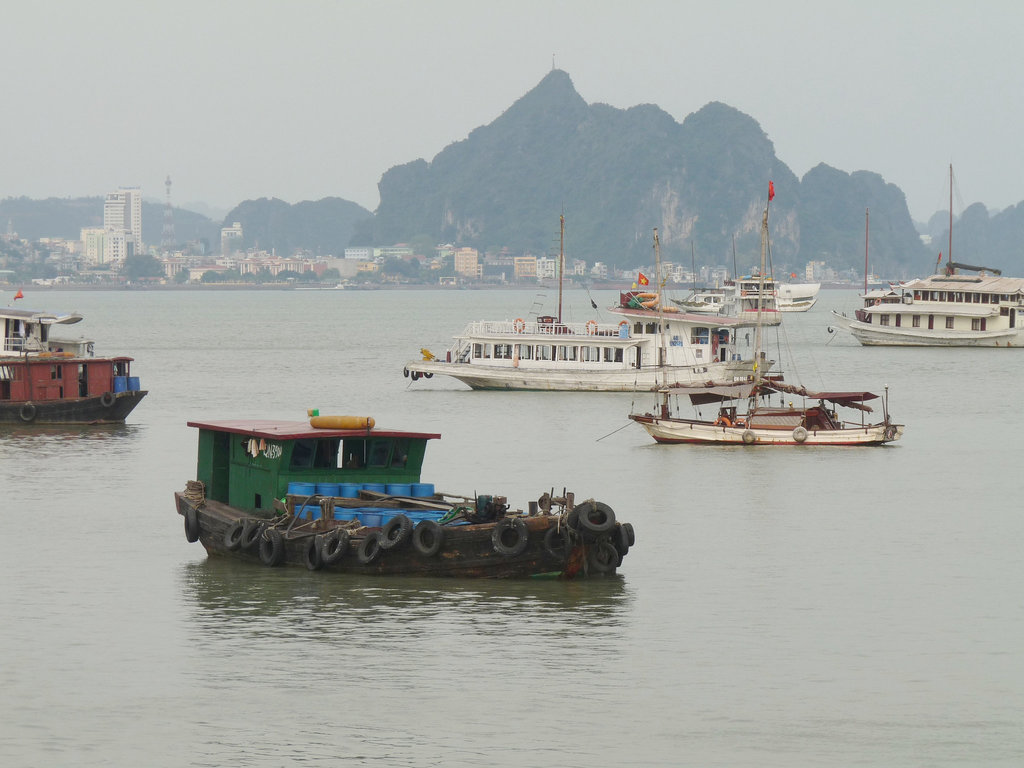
<point x="19" y="295"/>
<point x="771" y="191"/>
<point x="642" y="280"/>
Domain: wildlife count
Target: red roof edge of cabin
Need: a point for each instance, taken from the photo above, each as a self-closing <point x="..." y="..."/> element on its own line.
<point x="296" y="430"/>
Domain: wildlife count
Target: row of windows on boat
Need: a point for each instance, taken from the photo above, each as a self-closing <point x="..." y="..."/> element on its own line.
<point x="585" y="353"/>
<point x="977" y="323"/>
<point x="331" y="453"/>
<point x="963" y="297"/>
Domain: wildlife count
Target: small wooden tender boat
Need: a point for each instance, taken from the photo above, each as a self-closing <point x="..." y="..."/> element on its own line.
<point x="349" y="499"/>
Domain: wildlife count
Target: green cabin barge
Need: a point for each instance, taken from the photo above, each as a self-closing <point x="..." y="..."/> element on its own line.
<point x="341" y="495"/>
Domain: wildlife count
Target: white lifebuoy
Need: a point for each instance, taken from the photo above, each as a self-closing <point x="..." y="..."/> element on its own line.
<point x="591" y="327"/>
<point x="519" y="325"/>
<point x="799" y="434"/>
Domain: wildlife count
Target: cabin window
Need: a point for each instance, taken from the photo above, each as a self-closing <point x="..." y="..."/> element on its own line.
<point x="503" y="351"/>
<point x="400" y="456"/>
<point x="612" y="355"/>
<point x="917" y="321"/>
<point x="949" y="322"/>
<point x="56" y="372"/>
<point x="525" y="351"/>
<point x="899" y="319"/>
<point x="312" y="453"/>
<point x="700" y="336"/>
<point x="651" y="328"/>
<point x="354" y="454"/>
<point x="976" y="298"/>
<point x="379" y="454"/>
<point x="567" y="353"/>
<point x="883" y="319"/>
<point x="638" y="328"/>
<point x="976" y="324"/>
<point x="931" y="322"/>
<point x="591" y="354"/>
<point x="545" y="352"/>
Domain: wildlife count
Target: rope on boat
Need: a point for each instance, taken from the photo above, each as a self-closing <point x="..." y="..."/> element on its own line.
<point x="195" y="493"/>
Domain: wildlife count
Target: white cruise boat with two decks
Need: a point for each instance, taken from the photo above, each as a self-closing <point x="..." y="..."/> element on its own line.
<point x="950" y="309"/>
<point x="621" y="356"/>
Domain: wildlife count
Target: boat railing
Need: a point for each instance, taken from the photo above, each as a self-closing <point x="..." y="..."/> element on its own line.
<point x="523" y="327"/>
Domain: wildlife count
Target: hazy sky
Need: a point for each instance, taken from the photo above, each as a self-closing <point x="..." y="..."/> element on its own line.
<point x="238" y="99"/>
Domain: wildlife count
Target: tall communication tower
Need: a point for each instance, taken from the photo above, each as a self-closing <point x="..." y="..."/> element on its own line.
<point x="167" y="238"/>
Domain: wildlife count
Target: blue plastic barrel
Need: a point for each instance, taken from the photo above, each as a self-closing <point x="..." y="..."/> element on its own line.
<point x="370" y="519"/>
<point x="327" y="489"/>
<point x="398" y="489"/>
<point x="301" y="489"/>
<point x="133" y="384"/>
<point x="375" y="487"/>
<point x="120" y="383"/>
<point x="419" y="490"/>
<point x="349" y="490"/>
<point x="344" y="514"/>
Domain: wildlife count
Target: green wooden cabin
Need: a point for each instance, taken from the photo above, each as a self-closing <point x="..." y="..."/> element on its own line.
<point x="248" y="464"/>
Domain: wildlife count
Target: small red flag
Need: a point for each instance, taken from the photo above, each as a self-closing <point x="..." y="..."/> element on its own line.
<point x="642" y="280"/>
<point x="771" y="191"/>
<point x="19" y="295"/>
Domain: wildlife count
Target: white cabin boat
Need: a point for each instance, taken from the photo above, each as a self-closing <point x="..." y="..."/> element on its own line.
<point x="710" y="301"/>
<point x="623" y="356"/>
<point x="952" y="309"/>
<point x="797" y="297"/>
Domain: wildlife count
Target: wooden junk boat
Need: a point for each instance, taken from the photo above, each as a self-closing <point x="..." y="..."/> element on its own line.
<point x="46" y="380"/>
<point x="338" y="493"/>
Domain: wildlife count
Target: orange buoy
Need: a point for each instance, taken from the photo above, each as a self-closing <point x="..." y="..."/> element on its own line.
<point x="342" y="422"/>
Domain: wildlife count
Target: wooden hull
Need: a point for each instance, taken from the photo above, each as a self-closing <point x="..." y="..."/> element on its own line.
<point x="693" y="431"/>
<point x="466" y="551"/>
<point x="110" y="408"/>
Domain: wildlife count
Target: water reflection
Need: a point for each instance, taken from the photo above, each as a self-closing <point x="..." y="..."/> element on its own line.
<point x="229" y="597"/>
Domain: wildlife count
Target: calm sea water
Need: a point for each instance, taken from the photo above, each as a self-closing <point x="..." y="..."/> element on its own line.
<point x="781" y="607"/>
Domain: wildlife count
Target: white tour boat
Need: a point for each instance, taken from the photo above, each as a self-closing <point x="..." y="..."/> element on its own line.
<point x="624" y="356"/>
<point x="797" y="297"/>
<point x="951" y="309"/>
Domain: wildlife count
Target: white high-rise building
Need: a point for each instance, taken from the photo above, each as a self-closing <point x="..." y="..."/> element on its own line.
<point x="122" y="213"/>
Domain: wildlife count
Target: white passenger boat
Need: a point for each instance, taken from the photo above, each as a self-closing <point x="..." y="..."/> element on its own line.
<point x="547" y="354"/>
<point x="797" y="297"/>
<point x="952" y="309"/>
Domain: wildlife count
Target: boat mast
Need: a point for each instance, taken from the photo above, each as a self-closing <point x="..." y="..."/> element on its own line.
<point x="866" y="220"/>
<point x="561" y="263"/>
<point x="758" y="337"/>
<point x="693" y="266"/>
<point x="949" y="253"/>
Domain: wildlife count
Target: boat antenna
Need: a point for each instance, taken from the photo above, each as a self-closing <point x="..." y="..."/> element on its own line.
<point x="561" y="262"/>
<point x="866" y="221"/>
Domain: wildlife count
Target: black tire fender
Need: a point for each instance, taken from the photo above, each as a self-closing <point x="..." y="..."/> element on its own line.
<point x="271" y="547"/>
<point x="749" y="438"/>
<point x="27" y="413"/>
<point x="368" y="549"/>
<point x="428" y="537"/>
<point x="311" y="554"/>
<point x="558" y="541"/>
<point x="107" y="399"/>
<point x="251" y="530"/>
<point x="233" y="535"/>
<point x="510" y="536"/>
<point x="396" y="532"/>
<point x="191" y="525"/>
<point x="595" y="517"/>
<point x="602" y="556"/>
<point x="334" y="546"/>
